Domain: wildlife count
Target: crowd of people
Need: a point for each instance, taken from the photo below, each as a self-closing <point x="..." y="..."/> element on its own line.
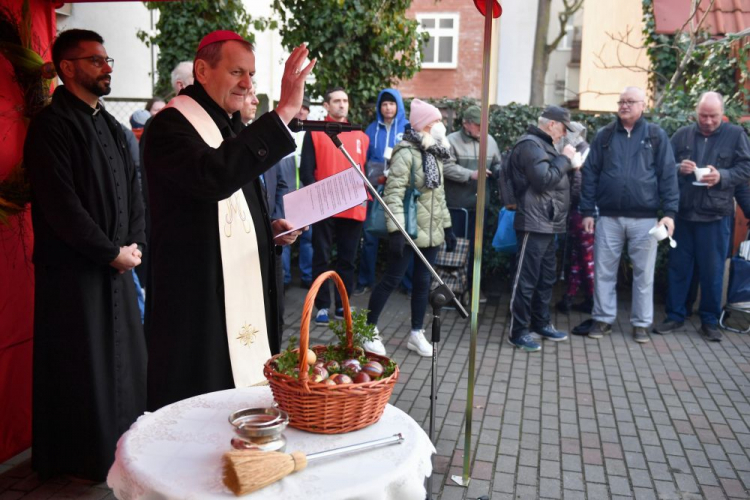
<point x="190" y="197"/>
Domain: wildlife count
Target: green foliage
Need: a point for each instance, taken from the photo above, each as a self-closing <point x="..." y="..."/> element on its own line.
<point x="288" y="360"/>
<point x="717" y="65"/>
<point x="361" y="331"/>
<point x="182" y="25"/>
<point x="363" y="46"/>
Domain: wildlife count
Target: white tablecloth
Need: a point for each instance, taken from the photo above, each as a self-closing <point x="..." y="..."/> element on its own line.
<point x="176" y="452"/>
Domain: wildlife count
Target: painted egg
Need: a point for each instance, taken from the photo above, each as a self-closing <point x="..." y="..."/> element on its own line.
<point x="373" y="369"/>
<point x="361" y="378"/>
<point x="320" y="370"/>
<point x="351" y="366"/>
<point x="343" y="378"/>
<point x="332" y="366"/>
<point x="311" y="357"/>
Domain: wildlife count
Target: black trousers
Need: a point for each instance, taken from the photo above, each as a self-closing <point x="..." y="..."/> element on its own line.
<point x="532" y="284"/>
<point x="345" y="233"/>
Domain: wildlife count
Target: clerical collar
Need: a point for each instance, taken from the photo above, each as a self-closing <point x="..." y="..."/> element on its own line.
<point x="78" y="103"/>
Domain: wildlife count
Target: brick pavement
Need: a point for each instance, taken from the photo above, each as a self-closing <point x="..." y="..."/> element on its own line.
<point x="582" y="419"/>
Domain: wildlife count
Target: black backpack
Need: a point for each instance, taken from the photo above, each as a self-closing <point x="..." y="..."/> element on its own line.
<point x="505" y="177"/>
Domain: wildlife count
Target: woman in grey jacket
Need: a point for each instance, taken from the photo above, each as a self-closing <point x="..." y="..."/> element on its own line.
<point x="422" y="152"/>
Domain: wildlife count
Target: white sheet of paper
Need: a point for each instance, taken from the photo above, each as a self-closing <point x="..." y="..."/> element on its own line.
<point x="323" y="199"/>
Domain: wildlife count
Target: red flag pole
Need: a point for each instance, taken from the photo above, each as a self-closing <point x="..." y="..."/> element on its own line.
<point x="489" y="9"/>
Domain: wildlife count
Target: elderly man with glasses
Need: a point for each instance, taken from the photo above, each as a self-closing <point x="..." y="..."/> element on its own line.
<point x="88" y="217"/>
<point x="630" y="175"/>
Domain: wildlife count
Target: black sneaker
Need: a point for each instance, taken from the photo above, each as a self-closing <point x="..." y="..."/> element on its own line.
<point x="668" y="326"/>
<point x="600" y="329"/>
<point x="640" y="335"/>
<point x="361" y="290"/>
<point x="584" y="328"/>
<point x="564" y="305"/>
<point x="304" y="284"/>
<point x="711" y="332"/>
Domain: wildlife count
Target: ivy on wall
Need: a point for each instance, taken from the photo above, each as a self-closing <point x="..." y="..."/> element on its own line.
<point x="182" y="25"/>
<point x="719" y="65"/>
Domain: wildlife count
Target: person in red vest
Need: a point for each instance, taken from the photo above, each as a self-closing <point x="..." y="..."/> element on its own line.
<point x="321" y="159"/>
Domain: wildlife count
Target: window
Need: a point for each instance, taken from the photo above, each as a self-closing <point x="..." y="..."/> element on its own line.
<point x="567" y="41"/>
<point x="441" y="50"/>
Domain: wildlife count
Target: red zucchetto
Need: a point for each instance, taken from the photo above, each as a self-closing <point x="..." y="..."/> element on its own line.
<point x="219" y="36"/>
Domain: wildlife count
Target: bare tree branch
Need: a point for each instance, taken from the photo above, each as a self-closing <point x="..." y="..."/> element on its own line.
<point x="688" y="55"/>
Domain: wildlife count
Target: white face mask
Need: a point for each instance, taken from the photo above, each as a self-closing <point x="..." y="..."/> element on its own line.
<point x="438" y="131"/>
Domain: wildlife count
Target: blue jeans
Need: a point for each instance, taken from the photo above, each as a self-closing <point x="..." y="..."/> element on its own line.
<point x="393" y="275"/>
<point x="368" y="258"/>
<point x="305" y="258"/>
<point x="702" y="245"/>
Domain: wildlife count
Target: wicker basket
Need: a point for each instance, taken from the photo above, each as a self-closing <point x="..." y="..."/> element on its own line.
<point x="328" y="409"/>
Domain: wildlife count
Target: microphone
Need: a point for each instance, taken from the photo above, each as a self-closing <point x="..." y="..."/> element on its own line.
<point x="297" y="125"/>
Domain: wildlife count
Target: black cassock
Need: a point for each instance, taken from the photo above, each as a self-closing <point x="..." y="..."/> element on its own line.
<point x="185" y="318"/>
<point x="89" y="349"/>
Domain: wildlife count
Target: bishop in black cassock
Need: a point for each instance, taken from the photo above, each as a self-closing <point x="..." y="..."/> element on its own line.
<point x="189" y="183"/>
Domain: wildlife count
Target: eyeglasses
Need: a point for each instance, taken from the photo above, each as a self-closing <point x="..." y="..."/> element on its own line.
<point x="97" y="61"/>
<point x="627" y="103"/>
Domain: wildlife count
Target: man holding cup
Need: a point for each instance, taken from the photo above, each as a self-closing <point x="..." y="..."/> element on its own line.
<point x="713" y="159"/>
<point x="630" y="175"/>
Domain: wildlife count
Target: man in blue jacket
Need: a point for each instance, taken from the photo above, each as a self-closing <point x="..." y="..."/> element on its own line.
<point x="630" y="174"/>
<point x="384" y="133"/>
<point x="706" y="209"/>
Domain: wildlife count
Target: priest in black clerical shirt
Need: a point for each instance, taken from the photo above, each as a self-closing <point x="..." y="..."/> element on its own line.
<point x="89" y="374"/>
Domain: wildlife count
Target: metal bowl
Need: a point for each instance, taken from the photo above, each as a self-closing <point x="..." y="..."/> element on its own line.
<point x="259" y="422"/>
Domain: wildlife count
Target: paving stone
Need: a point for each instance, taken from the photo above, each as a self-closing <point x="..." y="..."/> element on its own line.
<point x="549" y="488"/>
<point x="594" y="474"/>
<point x="573" y="481"/>
<point x="619" y="486"/>
<point x="597" y="490"/>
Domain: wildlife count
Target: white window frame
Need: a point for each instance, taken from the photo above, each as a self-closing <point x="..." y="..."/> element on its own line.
<point x="566" y="43"/>
<point x="437" y="32"/>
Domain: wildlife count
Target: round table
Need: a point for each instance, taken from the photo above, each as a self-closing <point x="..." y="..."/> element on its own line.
<point x="176" y="452"/>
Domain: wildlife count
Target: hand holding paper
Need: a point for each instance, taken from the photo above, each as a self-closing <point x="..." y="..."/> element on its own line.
<point x="324" y="199"/>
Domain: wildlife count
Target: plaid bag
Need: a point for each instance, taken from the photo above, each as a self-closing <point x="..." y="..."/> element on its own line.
<point x="452" y="266"/>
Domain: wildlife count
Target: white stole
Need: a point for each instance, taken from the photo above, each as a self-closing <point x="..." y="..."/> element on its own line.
<point x="244" y="304"/>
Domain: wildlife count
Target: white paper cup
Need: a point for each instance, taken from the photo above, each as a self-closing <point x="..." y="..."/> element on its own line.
<point x="700" y="172"/>
<point x="659" y="232"/>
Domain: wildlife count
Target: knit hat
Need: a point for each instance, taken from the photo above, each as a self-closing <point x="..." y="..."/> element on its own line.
<point x="387" y="97"/>
<point x="422" y="114"/>
<point x="139" y="118"/>
<point x="473" y="115"/>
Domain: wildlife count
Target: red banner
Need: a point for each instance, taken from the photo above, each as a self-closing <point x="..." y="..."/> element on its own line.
<point x="16" y="242"/>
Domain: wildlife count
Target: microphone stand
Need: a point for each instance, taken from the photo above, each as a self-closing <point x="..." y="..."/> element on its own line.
<point x="439" y="297"/>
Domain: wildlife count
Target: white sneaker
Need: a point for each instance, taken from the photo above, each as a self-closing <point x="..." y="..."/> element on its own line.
<point x="375" y="345"/>
<point x="419" y="344"/>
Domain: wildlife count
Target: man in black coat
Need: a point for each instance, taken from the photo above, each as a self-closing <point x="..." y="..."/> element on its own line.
<point x="204" y="166"/>
<point x="704" y="223"/>
<point x="87" y="212"/>
<point x="540" y="184"/>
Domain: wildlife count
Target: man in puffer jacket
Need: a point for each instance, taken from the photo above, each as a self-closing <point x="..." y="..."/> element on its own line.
<point x="539" y="175"/>
<point x="630" y="174"/>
